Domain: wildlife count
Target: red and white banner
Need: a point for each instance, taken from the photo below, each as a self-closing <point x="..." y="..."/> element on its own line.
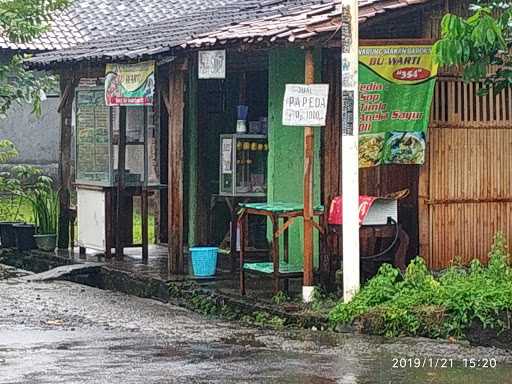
<point x="336" y="209"/>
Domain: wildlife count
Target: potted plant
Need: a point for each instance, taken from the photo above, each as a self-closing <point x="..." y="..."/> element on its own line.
<point x="45" y="207"/>
<point x="12" y="184"/>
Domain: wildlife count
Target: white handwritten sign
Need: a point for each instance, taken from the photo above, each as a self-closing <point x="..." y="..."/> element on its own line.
<point x="212" y="64"/>
<point x="305" y="105"/>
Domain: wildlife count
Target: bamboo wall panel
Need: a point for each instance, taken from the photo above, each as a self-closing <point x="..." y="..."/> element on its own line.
<point x="469" y="191"/>
<point x="463" y="232"/>
<point x="457" y="104"/>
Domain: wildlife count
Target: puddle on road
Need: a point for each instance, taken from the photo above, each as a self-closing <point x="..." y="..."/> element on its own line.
<point x="252" y="358"/>
<point x="199" y="350"/>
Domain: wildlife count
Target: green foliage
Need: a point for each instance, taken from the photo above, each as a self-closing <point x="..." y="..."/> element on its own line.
<point x="483" y="39"/>
<point x="7" y="151"/>
<point x="17" y="85"/>
<point x="420" y="304"/>
<point x="45" y="206"/>
<point x="264" y="319"/>
<point x="22" y="21"/>
<point x="15" y="184"/>
<point x="137" y="228"/>
<point x="280" y="298"/>
<point x="322" y="301"/>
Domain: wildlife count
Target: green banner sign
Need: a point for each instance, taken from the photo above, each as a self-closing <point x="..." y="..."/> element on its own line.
<point x="396" y="85"/>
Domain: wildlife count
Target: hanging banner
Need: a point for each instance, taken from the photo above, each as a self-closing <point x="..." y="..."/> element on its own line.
<point x="395" y="93"/>
<point x="130" y="84"/>
<point x="305" y="105"/>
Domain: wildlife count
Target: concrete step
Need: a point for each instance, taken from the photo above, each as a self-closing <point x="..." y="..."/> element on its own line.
<point x="64" y="271"/>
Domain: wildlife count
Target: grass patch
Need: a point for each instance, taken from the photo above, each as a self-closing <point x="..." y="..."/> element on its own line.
<point x="137" y="228"/>
<point x="419" y="304"/>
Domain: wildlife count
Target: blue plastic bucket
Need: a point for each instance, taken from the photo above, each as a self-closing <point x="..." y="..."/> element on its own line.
<point x="204" y="261"/>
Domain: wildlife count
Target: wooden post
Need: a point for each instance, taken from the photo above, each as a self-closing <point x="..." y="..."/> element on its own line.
<point x="424" y="217"/>
<point x="121" y="165"/>
<point x="307" y="289"/>
<point x="144" y="209"/>
<point x="67" y="88"/>
<point x="176" y="263"/>
<point x="144" y="212"/>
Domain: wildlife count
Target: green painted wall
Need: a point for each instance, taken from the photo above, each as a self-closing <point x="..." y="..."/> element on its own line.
<point x="286" y="144"/>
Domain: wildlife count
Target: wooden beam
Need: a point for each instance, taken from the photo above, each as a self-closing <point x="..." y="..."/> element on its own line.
<point x="176" y="263"/>
<point x="308" y="187"/>
<point x="121" y="165"/>
<point x="67" y="87"/>
<point x="383" y="42"/>
<point x="165" y="97"/>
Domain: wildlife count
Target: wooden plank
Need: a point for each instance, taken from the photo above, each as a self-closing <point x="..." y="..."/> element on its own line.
<point x="330" y="157"/>
<point x="67" y="87"/>
<point x="176" y="261"/>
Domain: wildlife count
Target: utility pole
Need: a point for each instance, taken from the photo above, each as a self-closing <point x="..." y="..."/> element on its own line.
<point x="349" y="146"/>
<point x="308" y="287"/>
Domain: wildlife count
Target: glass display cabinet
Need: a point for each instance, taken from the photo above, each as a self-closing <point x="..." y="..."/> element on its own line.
<point x="243" y="165"/>
<point x="117" y="158"/>
<point x="98" y="140"/>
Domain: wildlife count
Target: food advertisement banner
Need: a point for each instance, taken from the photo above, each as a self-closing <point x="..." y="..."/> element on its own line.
<point x="396" y="85"/>
<point x="130" y="84"/>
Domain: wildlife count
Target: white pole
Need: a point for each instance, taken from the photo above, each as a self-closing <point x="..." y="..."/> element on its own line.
<point x="349" y="147"/>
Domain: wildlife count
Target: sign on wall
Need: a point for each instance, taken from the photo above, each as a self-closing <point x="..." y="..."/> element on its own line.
<point x="395" y="94"/>
<point x="305" y="105"/>
<point x="212" y="64"/>
<point x="130" y="84"/>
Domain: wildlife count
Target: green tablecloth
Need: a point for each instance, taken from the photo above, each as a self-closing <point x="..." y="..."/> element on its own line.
<point x="278" y="207"/>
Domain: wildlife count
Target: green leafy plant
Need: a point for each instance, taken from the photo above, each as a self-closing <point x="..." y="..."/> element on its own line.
<point x="476" y="42"/>
<point x="22" y="21"/>
<point x="45" y="206"/>
<point x="7" y="151"/>
<point x="15" y="184"/>
<point x="419" y="304"/>
<point x="280" y="298"/>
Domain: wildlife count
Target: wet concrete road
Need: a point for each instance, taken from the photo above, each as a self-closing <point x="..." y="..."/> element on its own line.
<point x="62" y="332"/>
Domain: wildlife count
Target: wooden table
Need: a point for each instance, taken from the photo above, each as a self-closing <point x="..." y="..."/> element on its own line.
<point x="288" y="213"/>
<point x="232" y="202"/>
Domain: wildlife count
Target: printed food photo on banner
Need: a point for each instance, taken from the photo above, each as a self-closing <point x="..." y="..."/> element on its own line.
<point x="405" y="148"/>
<point x="370" y="149"/>
<point x="396" y="87"/>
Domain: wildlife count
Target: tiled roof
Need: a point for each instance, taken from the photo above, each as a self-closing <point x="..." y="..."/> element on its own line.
<point x="300" y="25"/>
<point x="372" y="8"/>
<point x="249" y="21"/>
<point x="85" y="20"/>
